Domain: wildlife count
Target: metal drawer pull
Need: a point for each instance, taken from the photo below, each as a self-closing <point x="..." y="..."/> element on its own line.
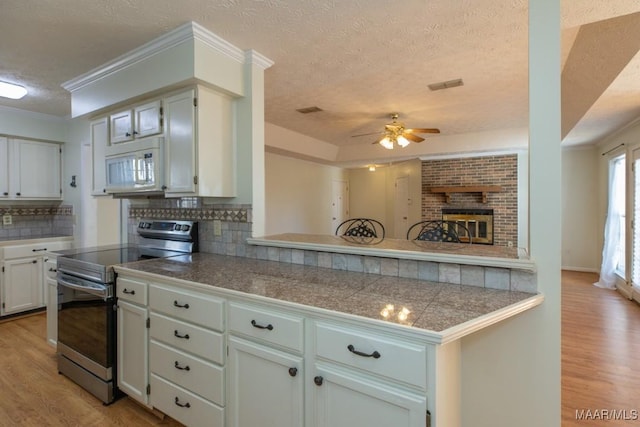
<point x="293" y="371"/>
<point x="255" y="325"/>
<point x="175" y="304"/>
<point x="185" y="368"/>
<point x="53" y="270"/>
<point x="125" y="291"/>
<point x="352" y="349"/>
<point x="39" y="250"/>
<point x="177" y="335"/>
<point x="318" y="380"/>
<point x="182" y="405"/>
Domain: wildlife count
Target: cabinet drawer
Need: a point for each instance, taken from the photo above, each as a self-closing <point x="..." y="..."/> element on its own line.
<point x="194" y="307"/>
<point x="399" y="360"/>
<point x="190" y="338"/>
<point x="184" y="406"/>
<point x="267" y="325"/>
<point x="131" y="290"/>
<point x="34" y="249"/>
<point x="198" y="376"/>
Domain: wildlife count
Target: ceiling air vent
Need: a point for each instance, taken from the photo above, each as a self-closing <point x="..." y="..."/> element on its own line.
<point x="308" y="110"/>
<point x="446" y="85"/>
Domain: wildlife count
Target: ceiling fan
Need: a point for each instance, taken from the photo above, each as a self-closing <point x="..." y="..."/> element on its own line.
<point x="396" y="133"/>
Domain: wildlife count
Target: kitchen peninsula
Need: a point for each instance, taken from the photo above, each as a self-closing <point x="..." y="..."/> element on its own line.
<point x="288" y="341"/>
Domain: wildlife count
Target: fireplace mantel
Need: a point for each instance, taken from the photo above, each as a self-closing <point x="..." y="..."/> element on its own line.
<point x="484" y="189"/>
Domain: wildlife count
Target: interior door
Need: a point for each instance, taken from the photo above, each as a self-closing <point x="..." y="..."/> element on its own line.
<point x="401" y="207"/>
<point x="339" y="203"/>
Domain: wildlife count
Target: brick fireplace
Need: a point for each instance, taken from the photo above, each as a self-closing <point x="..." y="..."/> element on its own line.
<point x="473" y="172"/>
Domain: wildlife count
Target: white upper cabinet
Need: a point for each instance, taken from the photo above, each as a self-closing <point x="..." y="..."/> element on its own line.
<point x="199" y="144"/>
<point x="4" y="168"/>
<point x="99" y="134"/>
<point x="34" y="170"/>
<point x="138" y="122"/>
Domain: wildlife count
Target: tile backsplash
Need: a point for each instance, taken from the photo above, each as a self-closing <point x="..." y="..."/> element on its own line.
<point x="36" y="221"/>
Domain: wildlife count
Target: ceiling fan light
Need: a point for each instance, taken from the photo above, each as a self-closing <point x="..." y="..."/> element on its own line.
<point x="13" y="91"/>
<point x="402" y="141"/>
<point x="387" y="143"/>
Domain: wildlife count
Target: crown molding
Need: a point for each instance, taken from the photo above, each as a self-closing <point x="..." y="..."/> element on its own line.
<point x="188" y="31"/>
<point x="253" y="57"/>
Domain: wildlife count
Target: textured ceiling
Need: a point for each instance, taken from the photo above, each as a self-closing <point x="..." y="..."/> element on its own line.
<point x="358" y="60"/>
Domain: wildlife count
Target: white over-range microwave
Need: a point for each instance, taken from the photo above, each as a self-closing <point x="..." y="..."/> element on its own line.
<point x="135" y="167"/>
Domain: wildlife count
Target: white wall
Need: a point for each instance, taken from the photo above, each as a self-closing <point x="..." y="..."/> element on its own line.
<point x="97" y="218"/>
<point x="299" y="195"/>
<point x="372" y="194"/>
<point x="33" y="125"/>
<point x="581" y="223"/>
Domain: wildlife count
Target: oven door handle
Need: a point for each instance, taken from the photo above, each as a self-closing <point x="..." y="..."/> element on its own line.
<point x="100" y="291"/>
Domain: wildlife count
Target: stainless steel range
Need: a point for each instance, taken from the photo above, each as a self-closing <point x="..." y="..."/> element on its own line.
<point x="87" y="316"/>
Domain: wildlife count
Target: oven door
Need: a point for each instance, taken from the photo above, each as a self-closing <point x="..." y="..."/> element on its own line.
<point x="86" y="324"/>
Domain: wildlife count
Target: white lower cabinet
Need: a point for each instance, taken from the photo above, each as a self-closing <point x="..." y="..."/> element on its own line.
<point x="23" y="288"/>
<point x="348" y="399"/>
<point x="265" y="386"/>
<point x="132" y="339"/>
<point x="51" y="293"/>
<point x="240" y="363"/>
<point x="187" y="355"/>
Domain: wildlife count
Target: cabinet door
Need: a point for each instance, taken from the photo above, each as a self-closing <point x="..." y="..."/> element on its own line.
<point x="121" y="126"/>
<point x="265" y="386"/>
<point x="147" y="119"/>
<point x="180" y="151"/>
<point x="4" y="168"/>
<point x="99" y="134"/>
<point x="22" y="285"/>
<point x="36" y="172"/>
<point x="52" y="311"/>
<point x="133" y="351"/>
<point x="341" y="399"/>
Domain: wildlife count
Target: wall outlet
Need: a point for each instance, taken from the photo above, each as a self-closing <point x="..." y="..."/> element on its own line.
<point x="7" y="219"/>
<point x="217" y="227"/>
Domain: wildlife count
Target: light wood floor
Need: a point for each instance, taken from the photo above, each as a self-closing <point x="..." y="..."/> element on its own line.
<point x="600" y="352"/>
<point x="600" y="367"/>
<point x="32" y="393"/>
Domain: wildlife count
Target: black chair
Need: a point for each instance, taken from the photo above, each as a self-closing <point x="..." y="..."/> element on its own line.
<point x="439" y="231"/>
<point x="361" y="230"/>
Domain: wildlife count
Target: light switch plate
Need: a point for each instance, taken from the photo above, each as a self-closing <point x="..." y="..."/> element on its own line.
<point x="7" y="219"/>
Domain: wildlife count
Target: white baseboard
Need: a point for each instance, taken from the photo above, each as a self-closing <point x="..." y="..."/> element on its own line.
<point x="581" y="269"/>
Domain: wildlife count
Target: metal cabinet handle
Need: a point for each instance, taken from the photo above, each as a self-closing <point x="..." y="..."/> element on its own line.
<point x="293" y="371"/>
<point x="38" y="250"/>
<point x="352" y="349"/>
<point x="255" y="325"/>
<point x="177" y="335"/>
<point x="53" y="270"/>
<point x="318" y="380"/>
<point x="132" y="292"/>
<point x="5" y="193"/>
<point x="18" y="194"/>
<point x="35" y="261"/>
<point x="182" y="368"/>
<point x="176" y="304"/>
<point x="129" y="134"/>
<point x="182" y="405"/>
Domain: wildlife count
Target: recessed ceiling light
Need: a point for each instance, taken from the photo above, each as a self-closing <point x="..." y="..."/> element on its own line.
<point x="13" y="91"/>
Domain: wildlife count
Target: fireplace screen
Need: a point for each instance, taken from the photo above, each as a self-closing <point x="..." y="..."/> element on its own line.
<point x="479" y="222"/>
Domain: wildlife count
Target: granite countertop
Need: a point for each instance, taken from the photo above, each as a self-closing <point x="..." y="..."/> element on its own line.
<point x="449" y="310"/>
<point x="23" y="240"/>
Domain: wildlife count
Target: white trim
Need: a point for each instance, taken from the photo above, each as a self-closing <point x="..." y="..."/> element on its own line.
<point x="475" y="153"/>
<point x="183" y="33"/>
<point x="253" y="57"/>
<point x="32" y="114"/>
<point x="581" y="269"/>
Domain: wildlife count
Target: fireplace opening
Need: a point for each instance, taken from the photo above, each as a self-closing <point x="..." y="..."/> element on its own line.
<point x="479" y="222"/>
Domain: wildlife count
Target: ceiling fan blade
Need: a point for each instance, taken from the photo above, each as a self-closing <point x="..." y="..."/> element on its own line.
<point x="411" y="137"/>
<point x="422" y="130"/>
<point x="366" y="134"/>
